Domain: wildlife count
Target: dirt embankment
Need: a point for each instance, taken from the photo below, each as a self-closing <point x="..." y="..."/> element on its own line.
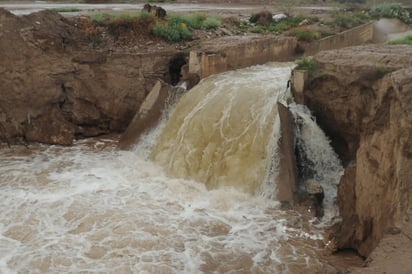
<point x="362" y="98"/>
<point x="56" y="86"/>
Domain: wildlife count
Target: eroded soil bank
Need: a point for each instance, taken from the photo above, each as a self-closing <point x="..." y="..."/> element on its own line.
<point x="56" y="87"/>
<point x="362" y="98"/>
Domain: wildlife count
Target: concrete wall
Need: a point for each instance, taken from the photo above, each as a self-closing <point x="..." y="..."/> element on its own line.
<point x="353" y="37"/>
<point x="298" y="84"/>
<point x="229" y="53"/>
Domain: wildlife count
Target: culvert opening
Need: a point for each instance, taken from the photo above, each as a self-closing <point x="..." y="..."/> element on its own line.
<point x="175" y="67"/>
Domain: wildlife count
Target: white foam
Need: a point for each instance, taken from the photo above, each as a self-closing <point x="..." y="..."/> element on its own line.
<point x="92" y="208"/>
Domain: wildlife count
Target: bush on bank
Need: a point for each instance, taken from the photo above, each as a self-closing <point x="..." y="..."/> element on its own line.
<point x="173" y="28"/>
<point x="391" y="10"/>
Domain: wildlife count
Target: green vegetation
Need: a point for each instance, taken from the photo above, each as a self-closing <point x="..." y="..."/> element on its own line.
<point x="347" y="20"/>
<point x="212" y="23"/>
<point x="197" y="21"/>
<point x="67" y="9"/>
<point x="100" y="18"/>
<point x="144" y="15"/>
<point x="194" y="20"/>
<point x="173" y="31"/>
<point x="404" y="41"/>
<point x="306" y="34"/>
<point x="283" y="25"/>
<point x="177" y="27"/>
<point x="306" y="63"/>
<point x="391" y="10"/>
<point x="173" y="28"/>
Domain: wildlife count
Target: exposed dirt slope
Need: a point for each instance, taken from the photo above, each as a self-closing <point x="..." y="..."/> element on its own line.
<point x="56" y="87"/>
<point x="362" y="97"/>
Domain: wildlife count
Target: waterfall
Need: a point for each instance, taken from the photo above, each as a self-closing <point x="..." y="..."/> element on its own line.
<point x="318" y="159"/>
<point x="224" y="131"/>
<point x="93" y="208"/>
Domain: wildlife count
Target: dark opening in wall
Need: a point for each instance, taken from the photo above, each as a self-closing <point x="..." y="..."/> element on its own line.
<point x="175" y="67"/>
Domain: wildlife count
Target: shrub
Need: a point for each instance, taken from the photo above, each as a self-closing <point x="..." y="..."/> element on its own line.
<point x="211" y="23"/>
<point x="391" y="10"/>
<point x="279" y="27"/>
<point x="172" y="31"/>
<point x="195" y="20"/>
<point x="347" y="20"/>
<point x="144" y="15"/>
<point x="306" y="35"/>
<point x="258" y="29"/>
<point x="306" y="63"/>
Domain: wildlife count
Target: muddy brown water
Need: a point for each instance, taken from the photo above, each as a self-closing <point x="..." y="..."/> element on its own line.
<point x="92" y="208"/>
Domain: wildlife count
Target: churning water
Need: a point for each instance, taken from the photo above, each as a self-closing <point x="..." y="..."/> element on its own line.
<point x="195" y="208"/>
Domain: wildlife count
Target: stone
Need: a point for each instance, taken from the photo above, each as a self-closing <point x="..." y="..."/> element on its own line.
<point x="279" y="17"/>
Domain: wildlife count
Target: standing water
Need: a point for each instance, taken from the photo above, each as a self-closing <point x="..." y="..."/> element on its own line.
<point x="190" y="204"/>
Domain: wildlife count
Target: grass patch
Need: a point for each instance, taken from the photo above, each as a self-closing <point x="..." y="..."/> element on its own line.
<point x="67" y="9"/>
<point x="404" y="41"/>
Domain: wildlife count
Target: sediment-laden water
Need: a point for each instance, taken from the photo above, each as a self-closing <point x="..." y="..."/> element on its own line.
<point x="91" y="208"/>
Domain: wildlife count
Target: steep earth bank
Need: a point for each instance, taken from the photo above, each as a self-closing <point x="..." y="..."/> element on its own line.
<point x="55" y="86"/>
<point x="362" y="98"/>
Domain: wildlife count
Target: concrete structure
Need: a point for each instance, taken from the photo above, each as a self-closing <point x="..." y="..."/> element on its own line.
<point x="357" y="36"/>
<point x="287" y="179"/>
<point x="234" y="52"/>
<point x="148" y="115"/>
<point x="298" y="84"/>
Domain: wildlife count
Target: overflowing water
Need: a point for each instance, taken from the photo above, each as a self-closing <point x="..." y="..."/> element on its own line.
<point x="91" y="208"/>
<point x="321" y="163"/>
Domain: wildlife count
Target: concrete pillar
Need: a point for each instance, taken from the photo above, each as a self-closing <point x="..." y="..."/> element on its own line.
<point x="287" y="179"/>
<point x="298" y="85"/>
